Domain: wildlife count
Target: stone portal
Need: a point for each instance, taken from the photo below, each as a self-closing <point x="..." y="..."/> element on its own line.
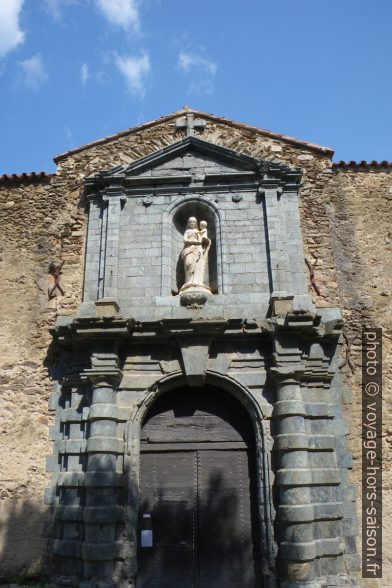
<point x="166" y="408"/>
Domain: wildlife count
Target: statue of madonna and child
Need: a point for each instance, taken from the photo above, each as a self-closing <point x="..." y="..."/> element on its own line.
<point x="195" y="256"/>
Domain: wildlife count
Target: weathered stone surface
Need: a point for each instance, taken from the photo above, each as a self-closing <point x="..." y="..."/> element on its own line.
<point x="345" y="220"/>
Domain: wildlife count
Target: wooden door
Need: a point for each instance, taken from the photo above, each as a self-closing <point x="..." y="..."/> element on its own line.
<point x="198" y="523"/>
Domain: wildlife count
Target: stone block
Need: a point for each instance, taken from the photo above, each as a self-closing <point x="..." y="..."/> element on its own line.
<point x="329" y="547"/>
<point x="284" y="408"/>
<point x="105" y="445"/>
<point x="289" y="441"/>
<point x="139" y="382"/>
<point x="70" y="415"/>
<point x="251" y="379"/>
<point x="107" y="307"/>
<point x="351" y="562"/>
<point x="50" y="496"/>
<point x="71" y="446"/>
<point x="101" y="551"/>
<point x="54" y="433"/>
<point x="103" y="515"/>
<point x="52" y="464"/>
<point x="350" y="527"/>
<point x="63" y="548"/>
<point x="345" y="460"/>
<point x="281" y="304"/>
<point x="98" y="479"/>
<point x="296" y="513"/>
<point x="298" y="551"/>
<point x="308" y="477"/>
<point x="54" y="398"/>
<point x="104" y="411"/>
<point x="68" y="513"/>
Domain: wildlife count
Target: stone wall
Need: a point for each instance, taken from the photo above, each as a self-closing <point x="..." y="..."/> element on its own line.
<point x="345" y="216"/>
<point x="38" y="226"/>
<point x="360" y="212"/>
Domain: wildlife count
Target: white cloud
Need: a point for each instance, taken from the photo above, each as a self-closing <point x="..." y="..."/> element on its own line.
<point x="191" y="61"/>
<point x="84" y="73"/>
<point x="69" y="135"/>
<point x="122" y="13"/>
<point x="200" y="70"/>
<point x="55" y="7"/>
<point x="135" y="71"/>
<point x="33" y="73"/>
<point x="10" y="33"/>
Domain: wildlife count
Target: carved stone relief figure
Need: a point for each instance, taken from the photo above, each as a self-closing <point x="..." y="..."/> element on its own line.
<point x="195" y="256"/>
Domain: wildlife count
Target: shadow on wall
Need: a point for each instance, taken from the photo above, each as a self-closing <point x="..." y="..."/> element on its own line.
<point x="25" y="522"/>
<point x="23" y="549"/>
<point x="200" y="542"/>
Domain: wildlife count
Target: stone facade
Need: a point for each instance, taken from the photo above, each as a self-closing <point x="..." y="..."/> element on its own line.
<point x="266" y="335"/>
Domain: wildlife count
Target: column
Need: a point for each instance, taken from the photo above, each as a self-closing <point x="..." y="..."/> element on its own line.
<point x="102" y="480"/>
<point x="294" y="475"/>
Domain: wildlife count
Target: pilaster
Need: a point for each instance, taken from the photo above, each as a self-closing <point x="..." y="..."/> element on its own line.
<point x="276" y="239"/>
<point x="101" y="270"/>
<point x="295" y="255"/>
<point x="95" y="248"/>
<point x="114" y="196"/>
<point x="283" y="232"/>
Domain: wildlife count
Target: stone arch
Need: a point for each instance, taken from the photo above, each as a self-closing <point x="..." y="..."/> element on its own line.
<point x="266" y="513"/>
<point x="173" y="226"/>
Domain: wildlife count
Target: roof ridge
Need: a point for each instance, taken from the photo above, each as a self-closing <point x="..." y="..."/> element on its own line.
<point x="25" y="176"/>
<point x="361" y="163"/>
<point x="273" y="134"/>
<point x="187" y="110"/>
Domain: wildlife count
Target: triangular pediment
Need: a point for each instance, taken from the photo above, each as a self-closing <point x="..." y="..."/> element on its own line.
<point x="188" y="156"/>
<point x="194" y="160"/>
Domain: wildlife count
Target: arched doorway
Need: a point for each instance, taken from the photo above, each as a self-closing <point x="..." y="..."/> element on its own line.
<point x="198" y="515"/>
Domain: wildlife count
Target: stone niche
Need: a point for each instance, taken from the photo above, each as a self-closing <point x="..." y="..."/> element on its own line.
<point x="196" y="208"/>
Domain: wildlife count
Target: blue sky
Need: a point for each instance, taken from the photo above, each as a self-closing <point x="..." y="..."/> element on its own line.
<point x="72" y="71"/>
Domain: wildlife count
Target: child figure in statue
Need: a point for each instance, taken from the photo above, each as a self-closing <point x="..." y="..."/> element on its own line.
<point x="203" y="234"/>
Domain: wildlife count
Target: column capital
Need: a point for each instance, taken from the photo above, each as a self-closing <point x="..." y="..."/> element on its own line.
<point x="287" y="374"/>
<point x="114" y="193"/>
<point x="99" y="376"/>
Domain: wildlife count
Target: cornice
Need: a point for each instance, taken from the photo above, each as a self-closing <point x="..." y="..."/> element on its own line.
<point x="83" y="330"/>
